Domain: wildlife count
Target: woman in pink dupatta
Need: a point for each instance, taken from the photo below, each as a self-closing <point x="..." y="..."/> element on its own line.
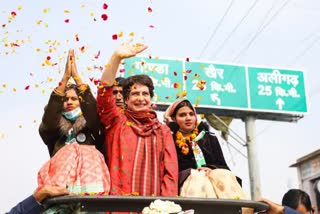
<point x="140" y="150"/>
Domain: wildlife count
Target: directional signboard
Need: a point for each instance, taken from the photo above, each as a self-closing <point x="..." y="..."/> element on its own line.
<point x="165" y="74"/>
<point x="224" y="86"/>
<point x="217" y="84"/>
<point x="277" y="89"/>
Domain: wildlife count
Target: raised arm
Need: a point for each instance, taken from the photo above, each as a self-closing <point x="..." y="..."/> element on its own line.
<point x="74" y="70"/>
<point x="126" y="50"/>
<point x="88" y="103"/>
<point x="66" y="76"/>
<point x="49" y="127"/>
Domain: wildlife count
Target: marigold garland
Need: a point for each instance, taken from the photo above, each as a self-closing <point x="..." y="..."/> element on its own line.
<point x="182" y="142"/>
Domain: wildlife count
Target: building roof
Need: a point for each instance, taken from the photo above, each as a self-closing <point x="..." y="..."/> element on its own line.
<point x="306" y="158"/>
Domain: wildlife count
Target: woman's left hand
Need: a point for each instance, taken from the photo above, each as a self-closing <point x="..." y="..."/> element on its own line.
<point x="128" y="49"/>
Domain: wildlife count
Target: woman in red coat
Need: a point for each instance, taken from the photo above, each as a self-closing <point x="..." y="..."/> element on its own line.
<point x="140" y="150"/>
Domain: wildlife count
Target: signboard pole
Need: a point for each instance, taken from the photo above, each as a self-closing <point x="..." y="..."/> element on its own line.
<point x="252" y="157"/>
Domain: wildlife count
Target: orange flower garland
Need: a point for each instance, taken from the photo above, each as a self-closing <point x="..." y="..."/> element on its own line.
<point x="182" y="143"/>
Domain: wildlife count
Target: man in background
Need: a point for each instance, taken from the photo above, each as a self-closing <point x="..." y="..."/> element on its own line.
<point x="117" y="91"/>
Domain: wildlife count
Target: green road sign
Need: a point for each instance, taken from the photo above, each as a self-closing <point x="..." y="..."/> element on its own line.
<point x="277" y="89"/>
<point x="216" y="85"/>
<point x="223" y="86"/>
<point x="165" y="74"/>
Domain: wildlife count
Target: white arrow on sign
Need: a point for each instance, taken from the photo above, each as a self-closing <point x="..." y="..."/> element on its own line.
<point x="215" y="98"/>
<point x="280" y="103"/>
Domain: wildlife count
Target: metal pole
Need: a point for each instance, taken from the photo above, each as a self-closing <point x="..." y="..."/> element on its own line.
<point x="252" y="157"/>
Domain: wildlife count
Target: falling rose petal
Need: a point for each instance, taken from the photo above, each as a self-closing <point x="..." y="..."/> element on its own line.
<point x="31" y="74"/>
<point x="13" y="14"/>
<point x="201" y="84"/>
<point x="77" y="37"/>
<point x="97" y="55"/>
<point x="149" y="9"/>
<point x="4" y="25"/>
<point x="167" y="97"/>
<point x="27" y="87"/>
<point x="122" y="70"/>
<point x="151" y="26"/>
<point x="114" y="36"/>
<point x="104" y="17"/>
<point x="66" y="20"/>
<point x="104" y="6"/>
<point x="185" y="77"/>
<point x="176" y="85"/>
<point x="175" y="73"/>
<point x="48" y="58"/>
<point x="82" y="49"/>
<point x="14" y="45"/>
<point x="187" y="59"/>
<point x="91" y="79"/>
<point x="188" y="71"/>
<point x="96" y="82"/>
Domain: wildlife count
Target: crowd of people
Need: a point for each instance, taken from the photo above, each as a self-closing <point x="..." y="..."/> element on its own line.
<point x="116" y="145"/>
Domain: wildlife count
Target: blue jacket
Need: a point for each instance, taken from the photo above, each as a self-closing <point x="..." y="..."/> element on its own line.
<point x="288" y="210"/>
<point x="27" y="206"/>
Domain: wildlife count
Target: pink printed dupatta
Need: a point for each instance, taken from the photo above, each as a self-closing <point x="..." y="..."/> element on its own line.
<point x="81" y="168"/>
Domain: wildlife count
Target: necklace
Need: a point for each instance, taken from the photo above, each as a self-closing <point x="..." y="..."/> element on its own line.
<point x="182" y="142"/>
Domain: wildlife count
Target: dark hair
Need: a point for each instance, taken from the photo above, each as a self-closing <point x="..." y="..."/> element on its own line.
<point x="180" y="105"/>
<point x="72" y="86"/>
<point x="294" y="197"/>
<point x="119" y="81"/>
<point x="137" y="79"/>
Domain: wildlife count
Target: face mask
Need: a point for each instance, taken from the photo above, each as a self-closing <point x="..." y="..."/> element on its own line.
<point x="72" y="115"/>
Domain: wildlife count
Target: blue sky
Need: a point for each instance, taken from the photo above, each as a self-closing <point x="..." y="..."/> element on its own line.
<point x="264" y="33"/>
